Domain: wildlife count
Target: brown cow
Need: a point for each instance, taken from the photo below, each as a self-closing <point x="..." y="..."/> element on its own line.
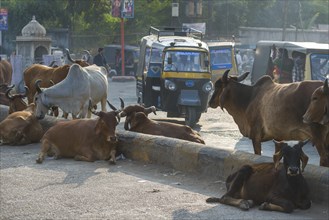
<point x="318" y="110"/>
<point x="267" y="110"/>
<point x="48" y="75"/>
<point x="16" y="102"/>
<point x="130" y="109"/>
<point x="139" y="122"/>
<point x="6" y="72"/>
<point x="20" y="128"/>
<point x="3" y="99"/>
<point x="273" y="186"/>
<point x="82" y="139"/>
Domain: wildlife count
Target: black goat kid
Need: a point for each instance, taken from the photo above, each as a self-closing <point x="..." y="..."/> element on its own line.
<point x="273" y="186"/>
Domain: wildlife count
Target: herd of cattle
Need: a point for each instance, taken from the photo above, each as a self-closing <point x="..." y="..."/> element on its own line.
<point x="263" y="111"/>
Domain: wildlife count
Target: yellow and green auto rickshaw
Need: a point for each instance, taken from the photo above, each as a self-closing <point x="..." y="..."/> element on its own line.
<point x="173" y="73"/>
<point x="222" y="58"/>
<point x="310" y="59"/>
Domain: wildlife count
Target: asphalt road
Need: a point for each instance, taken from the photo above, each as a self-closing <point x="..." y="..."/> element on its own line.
<point x="68" y="189"/>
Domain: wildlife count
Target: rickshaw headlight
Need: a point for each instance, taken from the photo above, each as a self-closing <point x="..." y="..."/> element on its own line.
<point x="207" y="87"/>
<point x="170" y="85"/>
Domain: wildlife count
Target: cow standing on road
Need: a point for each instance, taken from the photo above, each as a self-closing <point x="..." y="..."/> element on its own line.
<point x="318" y="110"/>
<point x="73" y="93"/>
<point x="267" y="110"/>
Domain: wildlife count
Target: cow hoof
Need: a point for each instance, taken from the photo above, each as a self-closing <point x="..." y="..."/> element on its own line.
<point x="39" y="160"/>
<point x="244" y="205"/>
<point x="251" y="203"/>
<point x="263" y="206"/>
<point x="212" y="200"/>
<point x="112" y="162"/>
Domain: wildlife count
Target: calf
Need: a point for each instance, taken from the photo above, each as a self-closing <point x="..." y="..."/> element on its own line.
<point x="16" y="102"/>
<point x="82" y="139"/>
<point x="21" y="128"/>
<point x="276" y="187"/>
<point x="139" y="122"/>
<point x="130" y="109"/>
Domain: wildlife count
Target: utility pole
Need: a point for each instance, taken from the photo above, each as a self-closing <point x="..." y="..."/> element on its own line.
<point x="285" y="11"/>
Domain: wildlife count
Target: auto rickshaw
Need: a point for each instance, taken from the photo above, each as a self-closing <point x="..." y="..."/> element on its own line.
<point x="112" y="53"/>
<point x="222" y="58"/>
<point x="173" y="73"/>
<point x="312" y="58"/>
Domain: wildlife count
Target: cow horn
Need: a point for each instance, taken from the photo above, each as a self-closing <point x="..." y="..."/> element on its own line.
<point x="243" y="76"/>
<point x="8" y="92"/>
<point x="225" y="76"/>
<point x="52" y="63"/>
<point x="122" y="103"/>
<point x="26" y="90"/>
<point x="325" y="87"/>
<point x="37" y="86"/>
<point x="89" y="55"/>
<point x="69" y="56"/>
<point x="111" y="106"/>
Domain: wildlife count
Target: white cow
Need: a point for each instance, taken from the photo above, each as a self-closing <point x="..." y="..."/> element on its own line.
<point x="73" y="93"/>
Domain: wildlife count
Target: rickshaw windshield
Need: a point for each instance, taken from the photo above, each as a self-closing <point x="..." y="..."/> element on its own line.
<point x="156" y="55"/>
<point x="186" y="61"/>
<point x="319" y="66"/>
<point x="221" y="58"/>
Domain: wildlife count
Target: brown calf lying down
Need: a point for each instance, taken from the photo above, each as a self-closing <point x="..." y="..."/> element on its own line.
<point x="273" y="186"/>
<point x="139" y="122"/>
<point x="82" y="139"/>
<point x="21" y="128"/>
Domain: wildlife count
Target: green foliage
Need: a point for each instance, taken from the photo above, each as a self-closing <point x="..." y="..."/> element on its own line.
<point x="90" y="22"/>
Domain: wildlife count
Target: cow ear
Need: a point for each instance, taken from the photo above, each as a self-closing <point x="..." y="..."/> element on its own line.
<point x="126" y="124"/>
<point x="30" y="108"/>
<point x="303" y="159"/>
<point x="149" y="110"/>
<point x="276" y="158"/>
<point x="303" y="156"/>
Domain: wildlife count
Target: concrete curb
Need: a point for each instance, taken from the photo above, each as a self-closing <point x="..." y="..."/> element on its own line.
<point x="208" y="162"/>
<point x="123" y="78"/>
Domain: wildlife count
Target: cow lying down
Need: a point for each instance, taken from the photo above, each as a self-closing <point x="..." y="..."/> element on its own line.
<point x="21" y="128"/>
<point x="273" y="186"/>
<point x="139" y="122"/>
<point x="82" y="139"/>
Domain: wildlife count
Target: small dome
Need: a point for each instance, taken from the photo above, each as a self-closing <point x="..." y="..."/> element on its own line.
<point x="33" y="28"/>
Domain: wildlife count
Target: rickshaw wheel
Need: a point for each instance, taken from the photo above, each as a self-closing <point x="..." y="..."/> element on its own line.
<point x="191" y="117"/>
